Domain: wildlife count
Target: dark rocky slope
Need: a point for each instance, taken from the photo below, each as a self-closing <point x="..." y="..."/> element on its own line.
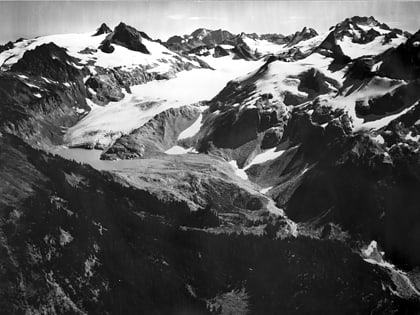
<point x="156" y="136"/>
<point x="402" y="62"/>
<point x="76" y="242"/>
<point x="34" y="101"/>
<point x="126" y="36"/>
<point x="367" y="187"/>
<point x="103" y="29"/>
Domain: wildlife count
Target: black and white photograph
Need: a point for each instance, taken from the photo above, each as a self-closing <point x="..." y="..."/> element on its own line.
<point x="210" y="157"/>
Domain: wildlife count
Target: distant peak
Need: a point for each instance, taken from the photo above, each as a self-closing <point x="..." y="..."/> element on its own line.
<point x="103" y="29"/>
<point x="361" y="20"/>
<point x="124" y="28"/>
<point x="200" y="31"/>
<point x="126" y="36"/>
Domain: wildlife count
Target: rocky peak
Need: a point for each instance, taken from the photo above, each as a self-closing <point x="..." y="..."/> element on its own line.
<point x="357" y="21"/>
<point x="6" y="46"/>
<point x="329" y="47"/>
<point x="211" y="37"/>
<point x="201" y="37"/>
<point x="305" y="34"/>
<point x="360" y="29"/>
<point x="176" y="39"/>
<point x="103" y="29"/>
<point x="274" y="38"/>
<point x="50" y="61"/>
<point x="126" y="36"/>
<point x="200" y="33"/>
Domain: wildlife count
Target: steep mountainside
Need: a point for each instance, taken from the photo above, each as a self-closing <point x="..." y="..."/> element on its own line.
<point x="74" y="241"/>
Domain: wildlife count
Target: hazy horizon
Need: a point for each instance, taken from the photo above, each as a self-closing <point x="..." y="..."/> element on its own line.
<point x="162" y="19"/>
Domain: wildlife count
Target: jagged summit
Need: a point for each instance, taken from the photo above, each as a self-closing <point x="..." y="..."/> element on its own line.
<point x="103" y="29"/>
<point x="200" y="33"/>
<point x="363" y="30"/>
<point x="330" y="48"/>
<point x="361" y="21"/>
<point x="305" y="34"/>
<point x="126" y="36"/>
<point x="212" y="37"/>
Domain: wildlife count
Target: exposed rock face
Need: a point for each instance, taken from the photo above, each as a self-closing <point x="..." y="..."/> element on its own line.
<point x="304" y="34"/>
<point x="156" y="136"/>
<point x="199" y="38"/>
<point x="404" y="61"/>
<point x="330" y="48"/>
<point x="7" y="46"/>
<point x="212" y="37"/>
<point x="382" y="179"/>
<point x="315" y="83"/>
<point x="272" y="137"/>
<point x="36" y="104"/>
<point x="220" y="52"/>
<point x="105" y="88"/>
<point x="274" y="38"/>
<point x="390" y="103"/>
<point x="103" y="29"/>
<point x="329" y="174"/>
<point x="49" y="61"/>
<point x="126" y="36"/>
<point x="174" y="40"/>
<point x="243" y="52"/>
<point x="202" y="40"/>
<point x="351" y="27"/>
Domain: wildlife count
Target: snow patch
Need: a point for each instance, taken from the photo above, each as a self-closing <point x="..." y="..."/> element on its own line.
<point x="410" y="136"/>
<point x="375" y="47"/>
<point x="267" y="155"/>
<point x="266" y="190"/>
<point x="65" y="237"/>
<point x="378" y="138"/>
<point x="177" y="150"/>
<point x="239" y="172"/>
<point x="192" y="130"/>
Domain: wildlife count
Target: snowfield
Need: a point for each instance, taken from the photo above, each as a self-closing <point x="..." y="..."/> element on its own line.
<point x="106" y="123"/>
<point x="267" y="155"/>
<point x="75" y="43"/>
<point x="375" y="47"/>
<point x="192" y="130"/>
<point x="280" y="77"/>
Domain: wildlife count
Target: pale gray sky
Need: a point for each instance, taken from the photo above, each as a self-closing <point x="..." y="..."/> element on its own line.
<point x="161" y="19"/>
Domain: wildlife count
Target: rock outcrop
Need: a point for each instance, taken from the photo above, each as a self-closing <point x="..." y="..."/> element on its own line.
<point x="156" y="136"/>
<point x="126" y="36"/>
<point x="43" y="94"/>
<point x="103" y="29"/>
<point x="402" y="62"/>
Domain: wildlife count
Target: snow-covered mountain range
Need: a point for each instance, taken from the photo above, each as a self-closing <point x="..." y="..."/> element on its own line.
<point x="221" y="173"/>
